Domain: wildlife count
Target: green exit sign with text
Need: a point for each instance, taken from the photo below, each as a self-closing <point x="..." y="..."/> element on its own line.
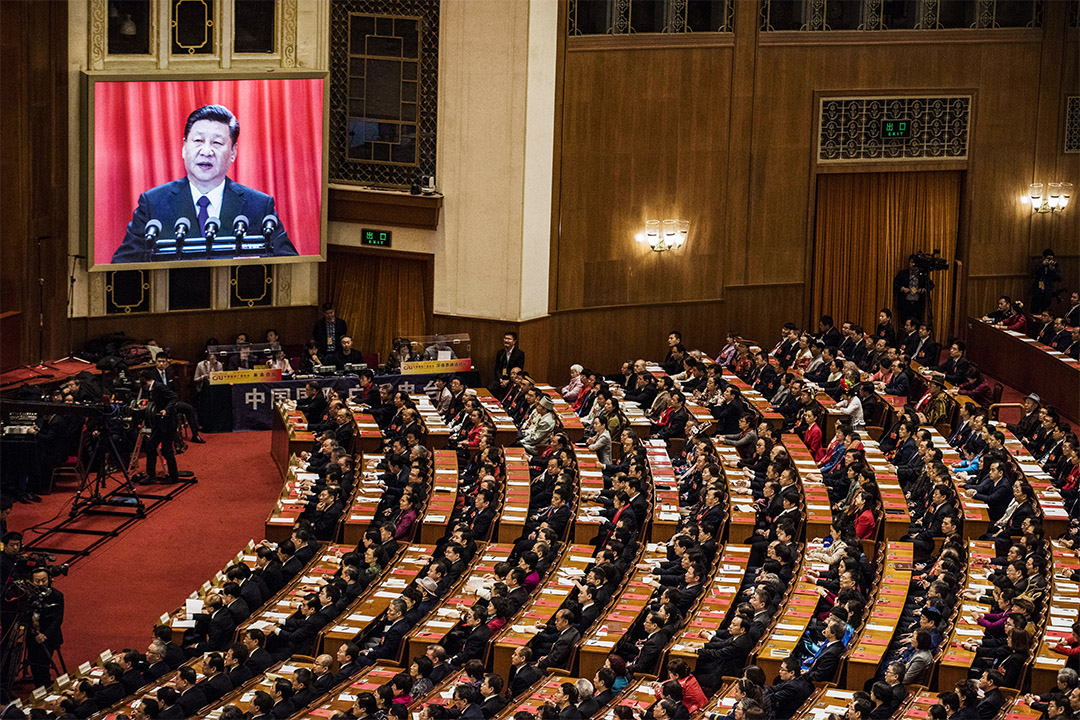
<point x="895" y="129"/>
<point x="375" y="238"/>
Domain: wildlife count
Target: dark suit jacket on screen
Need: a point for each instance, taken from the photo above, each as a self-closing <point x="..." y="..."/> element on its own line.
<point x="166" y="203"/>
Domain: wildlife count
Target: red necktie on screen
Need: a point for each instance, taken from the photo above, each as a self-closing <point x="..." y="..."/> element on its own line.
<point x="204" y="203"/>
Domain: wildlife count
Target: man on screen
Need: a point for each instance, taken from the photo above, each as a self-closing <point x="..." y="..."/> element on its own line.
<point x="209" y="150"/>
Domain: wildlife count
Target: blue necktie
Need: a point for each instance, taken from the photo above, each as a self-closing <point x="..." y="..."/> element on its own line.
<point x="204" y="203"/>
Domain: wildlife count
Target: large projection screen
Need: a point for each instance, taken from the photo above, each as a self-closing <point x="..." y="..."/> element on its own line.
<point x="160" y="195"/>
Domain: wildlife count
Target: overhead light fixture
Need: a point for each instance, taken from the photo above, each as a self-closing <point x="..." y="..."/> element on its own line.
<point x="667" y="235"/>
<point x="1050" y="198"/>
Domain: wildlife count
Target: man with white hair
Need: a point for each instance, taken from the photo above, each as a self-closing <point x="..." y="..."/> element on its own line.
<point x="536" y="439"/>
<point x="587" y="704"/>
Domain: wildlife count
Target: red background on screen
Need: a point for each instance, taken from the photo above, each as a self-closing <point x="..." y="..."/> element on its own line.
<point x="138" y="133"/>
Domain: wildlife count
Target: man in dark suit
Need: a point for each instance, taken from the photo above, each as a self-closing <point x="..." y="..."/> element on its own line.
<point x="508" y="358"/>
<point x="647" y="661"/>
<point x="258" y="658"/>
<point x="477" y="634"/>
<point x="236" y="657"/>
<point x="389" y="643"/>
<point x="465" y="697"/>
<point x="823" y="666"/>
<point x="206" y="192"/>
<point x="191" y="696"/>
<point x="347" y="665"/>
<point x="155" y="660"/>
<point x="790" y="689"/>
<point x="491" y="701"/>
<point x="724" y="655"/>
<point x="215" y="683"/>
<point x="523" y="672"/>
<point x="215" y="626"/>
<point x="563" y="643"/>
<point x="234" y="603"/>
<point x="168" y="378"/>
<point x="313" y="404"/>
<point x="926" y="350"/>
<point x="42" y="643"/>
<point x="345" y="355"/>
<point x="161" y="419"/>
<point x="993" y="699"/>
<point x="328" y="332"/>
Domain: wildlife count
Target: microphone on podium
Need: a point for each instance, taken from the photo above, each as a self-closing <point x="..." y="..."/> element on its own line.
<point x="210" y="229"/>
<point x="152" y="230"/>
<point x="269" y="225"/>
<point x="181" y="229"/>
<point x="240" y="227"/>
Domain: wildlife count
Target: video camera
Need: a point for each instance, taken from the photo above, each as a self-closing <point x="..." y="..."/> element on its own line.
<point x="27" y="563"/>
<point x="929" y="262"/>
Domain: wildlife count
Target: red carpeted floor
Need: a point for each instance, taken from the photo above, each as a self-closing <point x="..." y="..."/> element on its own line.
<point x="114" y="596"/>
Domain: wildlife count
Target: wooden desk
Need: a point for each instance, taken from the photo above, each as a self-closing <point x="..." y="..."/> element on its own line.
<point x="372" y="603"/>
<point x="741" y="515"/>
<point x="543" y="605"/>
<point x="868" y="648"/>
<point x="516" y="503"/>
<point x="288" y="434"/>
<point x="1026" y="365"/>
<point x="665" y="499"/>
<point x="975" y="513"/>
<point x="1063" y="610"/>
<point x="440" y="504"/>
<point x="365" y="500"/>
<point x="893" y="501"/>
<point x="954" y="661"/>
<point x="48" y="697"/>
<point x="342" y="698"/>
<point x="438" y="434"/>
<point x="827" y="701"/>
<point x="715" y="604"/>
<point x="621" y="615"/>
<point x="167" y="680"/>
<point x="761" y="404"/>
<point x="792" y="620"/>
<point x="506" y="431"/>
<point x="571" y="423"/>
<point x="591" y="478"/>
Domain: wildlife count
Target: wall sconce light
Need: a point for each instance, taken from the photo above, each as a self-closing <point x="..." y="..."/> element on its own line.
<point x="1051" y="198"/>
<point x="669" y="235"/>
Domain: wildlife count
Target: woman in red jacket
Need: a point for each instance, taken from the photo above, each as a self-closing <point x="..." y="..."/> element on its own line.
<point x="811" y="436"/>
<point x="693" y="697"/>
<point x="865" y="522"/>
<point x="1016" y="321"/>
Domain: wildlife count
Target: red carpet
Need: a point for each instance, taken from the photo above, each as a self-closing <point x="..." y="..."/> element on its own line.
<point x="114" y="597"/>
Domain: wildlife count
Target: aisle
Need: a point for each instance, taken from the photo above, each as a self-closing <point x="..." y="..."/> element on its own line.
<point x="114" y="597"/>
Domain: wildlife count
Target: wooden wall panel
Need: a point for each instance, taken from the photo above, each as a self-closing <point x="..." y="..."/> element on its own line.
<point x="33" y="161"/>
<point x="644" y="137"/>
<point x="757" y="99"/>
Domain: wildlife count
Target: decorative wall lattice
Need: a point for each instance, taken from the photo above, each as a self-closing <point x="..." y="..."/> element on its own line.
<point x="382" y="133"/>
<point x="850" y="128"/>
<point x="1072" y="123"/>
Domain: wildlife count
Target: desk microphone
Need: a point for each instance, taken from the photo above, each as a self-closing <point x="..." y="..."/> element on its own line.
<point x="181" y="228"/>
<point x="240" y="227"/>
<point x="210" y="229"/>
<point x="269" y="225"/>
<point x="152" y="230"/>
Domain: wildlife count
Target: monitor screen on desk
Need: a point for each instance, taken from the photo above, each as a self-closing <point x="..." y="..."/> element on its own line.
<point x="221" y="169"/>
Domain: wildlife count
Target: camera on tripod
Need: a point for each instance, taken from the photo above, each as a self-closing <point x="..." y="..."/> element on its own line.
<point x="929" y="262"/>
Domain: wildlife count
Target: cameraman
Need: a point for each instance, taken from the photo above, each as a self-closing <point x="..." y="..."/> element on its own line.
<point x="161" y="423"/>
<point x="44" y="635"/>
<point x="910" y="288"/>
<point x="1043" y="278"/>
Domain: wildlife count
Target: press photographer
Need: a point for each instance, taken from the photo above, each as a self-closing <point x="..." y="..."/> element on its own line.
<point x="32" y="612"/>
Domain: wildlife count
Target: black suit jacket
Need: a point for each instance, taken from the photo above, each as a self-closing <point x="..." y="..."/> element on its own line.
<point x="162" y="397"/>
<point x="492" y="706"/>
<point x="191" y="700"/>
<point x="561" y="650"/>
<point x="521" y="679"/>
<point x="391" y="641"/>
<point x="824" y="667"/>
<point x="215" y="687"/>
<point x="503" y="365"/>
<point x="322" y="339"/>
<point x="647" y="661"/>
<point x="166" y="203"/>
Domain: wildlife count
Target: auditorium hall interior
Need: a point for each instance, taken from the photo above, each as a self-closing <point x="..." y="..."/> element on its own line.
<point x="540" y="359"/>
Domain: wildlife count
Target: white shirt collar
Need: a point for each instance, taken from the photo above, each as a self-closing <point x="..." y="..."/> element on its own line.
<point x="215" y="196"/>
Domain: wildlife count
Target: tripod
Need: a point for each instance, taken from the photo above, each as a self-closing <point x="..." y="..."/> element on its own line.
<point x="104" y="463"/>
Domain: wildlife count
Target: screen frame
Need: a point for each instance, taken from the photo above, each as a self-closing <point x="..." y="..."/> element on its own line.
<point x="91" y="78"/>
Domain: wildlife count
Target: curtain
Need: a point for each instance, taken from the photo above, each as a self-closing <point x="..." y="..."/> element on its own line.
<point x="867" y="224"/>
<point x="380" y="297"/>
<point x="139" y="129"/>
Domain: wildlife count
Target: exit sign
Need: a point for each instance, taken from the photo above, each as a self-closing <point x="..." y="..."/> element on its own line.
<point x="895" y="129"/>
<point x="376" y="238"/>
